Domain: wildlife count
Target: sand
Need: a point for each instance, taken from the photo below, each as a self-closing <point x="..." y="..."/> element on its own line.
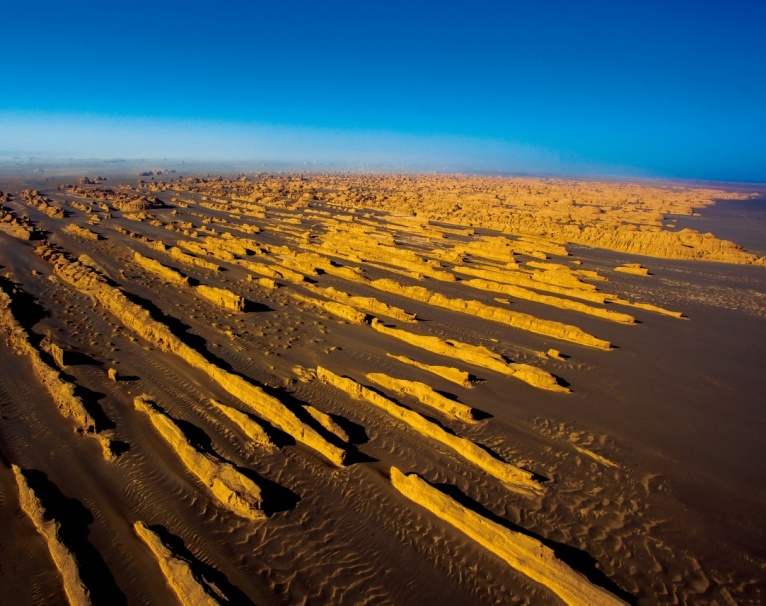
<point x="644" y="455"/>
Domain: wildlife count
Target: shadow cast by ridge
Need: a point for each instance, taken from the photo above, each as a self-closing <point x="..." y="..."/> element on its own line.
<point x="90" y="400"/>
<point x="275" y="497"/>
<point x="296" y="406"/>
<point x="577" y="559"/>
<point x="178" y="328"/>
<point x="78" y="358"/>
<point x="205" y="574"/>
<point x="255" y="307"/>
<point x="478" y="415"/>
<point x="356" y="433"/>
<point x="24" y="308"/>
<point x="74" y="520"/>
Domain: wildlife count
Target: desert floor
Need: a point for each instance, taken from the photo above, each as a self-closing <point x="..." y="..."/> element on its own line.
<point x="634" y="460"/>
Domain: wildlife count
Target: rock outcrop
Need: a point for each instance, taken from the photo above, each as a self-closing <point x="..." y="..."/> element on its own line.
<point x="270" y="271"/>
<point x="515" y="478"/>
<point x="249" y="427"/>
<point x="178" y="572"/>
<point x="221" y="297"/>
<point x="369" y="305"/>
<point x="327" y="422"/>
<point x="455" y="375"/>
<point x="426" y="395"/>
<point x="179" y="255"/>
<point x="233" y="490"/>
<point x="61" y="391"/>
<point x="163" y="271"/>
<point x="43" y="204"/>
<point x="522" y="552"/>
<point x="82" y="232"/>
<point x="528" y="295"/>
<point x="516" y="319"/>
<point x="632" y="268"/>
<point x="474" y="354"/>
<point x="344" y="312"/>
<point x="18" y="227"/>
<point x="66" y="564"/>
<point x="524" y="280"/>
<point x="138" y="319"/>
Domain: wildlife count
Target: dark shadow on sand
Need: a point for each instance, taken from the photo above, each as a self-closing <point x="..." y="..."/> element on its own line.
<point x="253" y="307"/>
<point x="478" y="415"/>
<point x="75" y="519"/>
<point x="275" y="497"/>
<point x="205" y="574"/>
<point x="24" y="308"/>
<point x="356" y="433"/>
<point x="296" y="406"/>
<point x="77" y="358"/>
<point x="90" y="400"/>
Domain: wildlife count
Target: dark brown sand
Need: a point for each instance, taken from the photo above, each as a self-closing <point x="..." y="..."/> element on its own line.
<point x="652" y="468"/>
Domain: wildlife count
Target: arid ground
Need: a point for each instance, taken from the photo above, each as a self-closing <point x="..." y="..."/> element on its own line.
<point x="381" y="389"/>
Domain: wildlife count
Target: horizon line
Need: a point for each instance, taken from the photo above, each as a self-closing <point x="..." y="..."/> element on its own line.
<point x="244" y="166"/>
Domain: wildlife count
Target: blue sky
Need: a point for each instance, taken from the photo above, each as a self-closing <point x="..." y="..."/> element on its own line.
<point x="673" y="89"/>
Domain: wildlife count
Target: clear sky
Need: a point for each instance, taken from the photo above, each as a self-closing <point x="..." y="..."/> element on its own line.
<point x="674" y="89"/>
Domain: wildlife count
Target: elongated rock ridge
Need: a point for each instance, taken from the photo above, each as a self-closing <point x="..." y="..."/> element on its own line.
<point x="177" y="571"/>
<point x="455" y="375"/>
<point x="234" y="491"/>
<point x="526" y="554"/>
<point x="522" y="293"/>
<point x="327" y="422"/>
<point x="426" y="395"/>
<point x="18" y="227"/>
<point x="249" y="427"/>
<point x="66" y="564"/>
<point x="163" y="271"/>
<point x="367" y="304"/>
<point x="516" y="319"/>
<point x="81" y="232"/>
<point x="61" y="391"/>
<point x="516" y="479"/>
<point x="221" y="297"/>
<point x="138" y="319"/>
<point x="474" y="354"/>
<point x="343" y="311"/>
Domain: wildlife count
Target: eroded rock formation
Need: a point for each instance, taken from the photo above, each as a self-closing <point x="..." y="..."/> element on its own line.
<point x="425" y="394"/>
<point x="66" y="564"/>
<point x="474" y="354"/>
<point x="178" y="572"/>
<point x="140" y="321"/>
<point x="61" y="391"/>
<point x="233" y="490"/>
<point x="515" y="478"/>
<point x="516" y="319"/>
<point x="524" y="553"/>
